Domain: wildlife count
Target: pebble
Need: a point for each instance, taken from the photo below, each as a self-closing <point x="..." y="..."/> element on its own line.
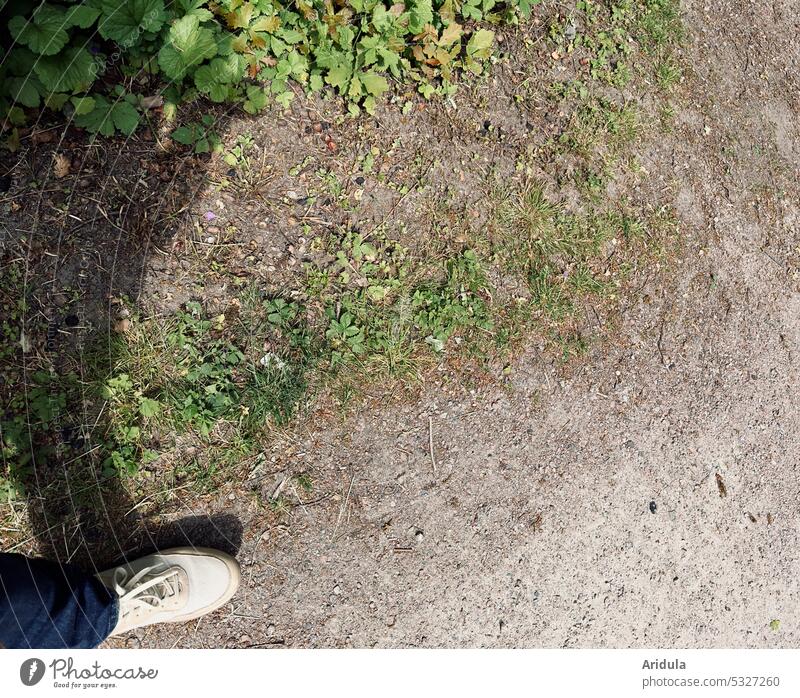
<point x="271" y="629"/>
<point x="337" y="589"/>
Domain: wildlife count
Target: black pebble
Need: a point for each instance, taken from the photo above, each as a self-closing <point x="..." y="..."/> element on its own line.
<point x="653" y="507"/>
<point x="5" y="184"/>
<point x="359" y="181"/>
<point x="71" y="321"/>
<point x="231" y="173"/>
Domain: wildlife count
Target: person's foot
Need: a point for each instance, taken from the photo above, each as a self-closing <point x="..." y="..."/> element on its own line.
<point x="171" y="586"/>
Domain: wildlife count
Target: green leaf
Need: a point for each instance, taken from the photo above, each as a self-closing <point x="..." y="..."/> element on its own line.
<point x="23" y="91"/>
<point x="526" y="6"/>
<point x="284" y="98"/>
<point x="256" y="99"/>
<point x="185" y="135"/>
<point x="374" y="84"/>
<point x="55" y="100"/>
<point x="421" y="14"/>
<point x="315" y="82"/>
<point x="83" y="105"/>
<point x="339" y="76"/>
<point x="74" y="69"/>
<point x="106" y="117"/>
<point x="290" y="36"/>
<point x="124" y="20"/>
<point x="81" y="16"/>
<point x="196" y="8"/>
<point x="125" y="117"/>
<point x="44" y="33"/>
<point x="148" y="407"/>
<point x="98" y="121"/>
<point x="426" y="90"/>
<point x="480" y="43"/>
<point x="215" y="78"/>
<point x="20" y="61"/>
<point x="189" y="45"/>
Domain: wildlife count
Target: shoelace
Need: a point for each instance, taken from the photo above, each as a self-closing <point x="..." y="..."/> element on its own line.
<point x="143" y="590"/>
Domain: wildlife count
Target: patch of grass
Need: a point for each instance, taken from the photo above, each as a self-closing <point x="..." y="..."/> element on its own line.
<point x="561" y="256"/>
<point x="195" y="372"/>
<point x="599" y="125"/>
<point x="668" y="73"/>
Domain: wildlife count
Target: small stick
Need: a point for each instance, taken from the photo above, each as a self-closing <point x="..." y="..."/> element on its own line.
<point x="343" y="507"/>
<point x="430" y="444"/>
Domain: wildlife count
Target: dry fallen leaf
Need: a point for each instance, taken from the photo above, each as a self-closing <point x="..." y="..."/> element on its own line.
<point x="61" y="165"/>
<point x="152" y="102"/>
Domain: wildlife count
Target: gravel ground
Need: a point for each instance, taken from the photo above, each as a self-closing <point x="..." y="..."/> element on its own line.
<point x="648" y="497"/>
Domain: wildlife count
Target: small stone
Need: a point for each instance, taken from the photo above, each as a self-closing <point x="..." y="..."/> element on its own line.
<point x="271" y="629"/>
<point x="337" y="590"/>
<point x="653" y="507"/>
<point x="419" y="535"/>
<point x="122" y="326"/>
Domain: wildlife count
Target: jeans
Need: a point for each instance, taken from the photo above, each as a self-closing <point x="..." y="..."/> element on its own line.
<point x="45" y="605"/>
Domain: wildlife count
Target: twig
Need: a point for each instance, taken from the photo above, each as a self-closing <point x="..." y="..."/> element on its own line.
<point x="430" y="444"/>
<point x="343" y="507"/>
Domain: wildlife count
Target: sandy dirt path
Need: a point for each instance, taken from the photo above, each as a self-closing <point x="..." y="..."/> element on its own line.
<point x="650" y="497"/>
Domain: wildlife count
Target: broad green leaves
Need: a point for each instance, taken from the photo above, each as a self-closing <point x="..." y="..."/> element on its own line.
<point x="44" y="33"/>
<point x="217" y="77"/>
<point x="73" y="69"/>
<point x="124" y="20"/>
<point x="245" y="51"/>
<point x="188" y="45"/>
<point x="107" y="116"/>
<point x="421" y="14"/>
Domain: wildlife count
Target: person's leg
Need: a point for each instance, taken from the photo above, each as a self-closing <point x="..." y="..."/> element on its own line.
<point x="44" y="605"/>
<point x="47" y="606"/>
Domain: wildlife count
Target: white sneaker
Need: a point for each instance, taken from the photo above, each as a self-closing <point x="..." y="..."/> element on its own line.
<point x="172" y="586"/>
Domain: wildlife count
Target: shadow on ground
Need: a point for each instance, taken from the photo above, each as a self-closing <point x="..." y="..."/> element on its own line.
<point x="79" y="222"/>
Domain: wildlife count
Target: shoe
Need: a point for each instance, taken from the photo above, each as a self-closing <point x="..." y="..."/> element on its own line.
<point x="171" y="586"/>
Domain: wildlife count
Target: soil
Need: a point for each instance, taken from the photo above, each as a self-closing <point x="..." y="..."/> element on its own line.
<point x="649" y="498"/>
<point x="646" y="495"/>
